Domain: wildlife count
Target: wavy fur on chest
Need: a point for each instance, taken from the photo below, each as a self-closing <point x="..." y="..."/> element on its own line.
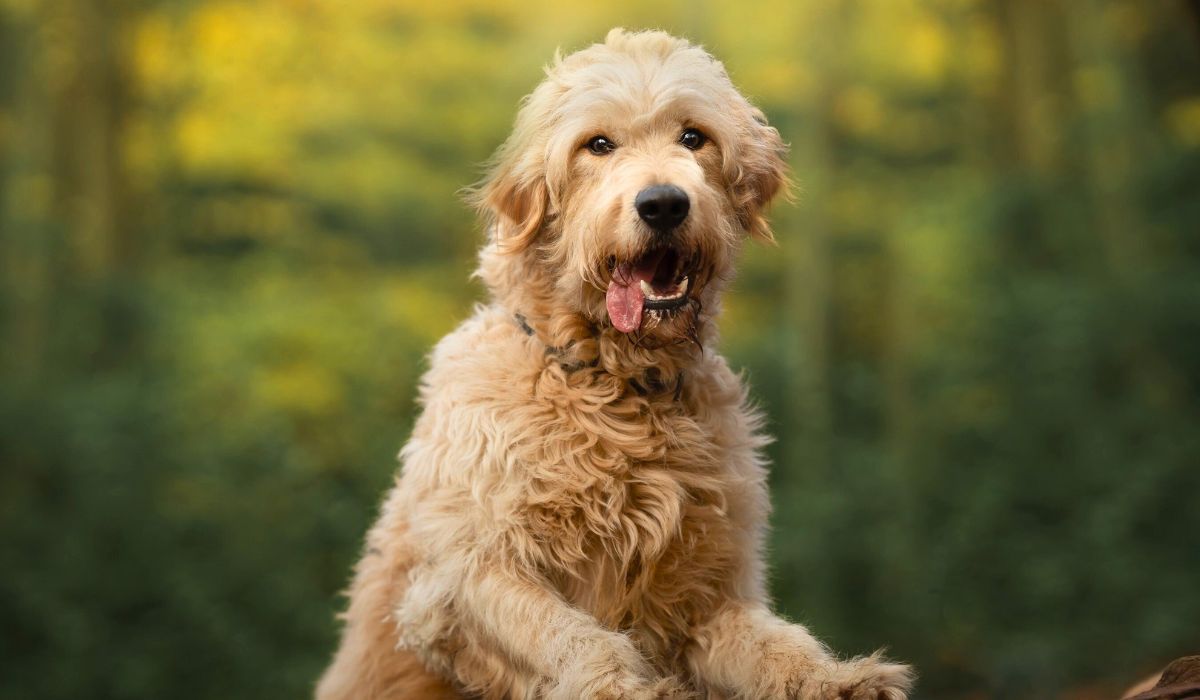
<point x="629" y="501"/>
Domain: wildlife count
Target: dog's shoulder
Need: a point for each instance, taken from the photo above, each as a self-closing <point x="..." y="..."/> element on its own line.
<point x="484" y="357"/>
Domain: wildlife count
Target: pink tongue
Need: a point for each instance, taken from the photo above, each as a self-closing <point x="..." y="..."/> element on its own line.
<point x="625" y="297"/>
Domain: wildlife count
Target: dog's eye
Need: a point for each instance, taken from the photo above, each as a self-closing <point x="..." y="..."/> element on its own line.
<point x="692" y="139"/>
<point x="601" y="145"/>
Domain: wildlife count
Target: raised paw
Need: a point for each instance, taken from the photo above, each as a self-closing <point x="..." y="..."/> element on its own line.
<point x="615" y="671"/>
<point x="864" y="678"/>
<point x="615" y="688"/>
<point x="669" y="689"/>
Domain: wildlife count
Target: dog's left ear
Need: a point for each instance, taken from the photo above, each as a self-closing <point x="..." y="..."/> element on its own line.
<point x="514" y="206"/>
<point x="763" y="176"/>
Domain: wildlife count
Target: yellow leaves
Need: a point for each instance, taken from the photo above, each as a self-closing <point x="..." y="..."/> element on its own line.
<point x="227" y="33"/>
<point x="197" y="137"/>
<point x="216" y="140"/>
<point x="245" y="72"/>
<point x="901" y="42"/>
<point x="299" y="92"/>
<point x="924" y="55"/>
<point x="1183" y="121"/>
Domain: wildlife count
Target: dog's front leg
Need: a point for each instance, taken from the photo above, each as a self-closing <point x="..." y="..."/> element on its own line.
<point x="749" y="652"/>
<point x="538" y="629"/>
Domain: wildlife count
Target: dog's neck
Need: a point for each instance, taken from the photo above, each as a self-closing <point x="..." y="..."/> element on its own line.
<point x="577" y="342"/>
<point x="572" y="358"/>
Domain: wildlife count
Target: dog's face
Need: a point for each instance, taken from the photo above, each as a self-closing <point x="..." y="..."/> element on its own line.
<point x="633" y="174"/>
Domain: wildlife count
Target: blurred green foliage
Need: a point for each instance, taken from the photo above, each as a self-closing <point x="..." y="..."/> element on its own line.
<point x="229" y="232"/>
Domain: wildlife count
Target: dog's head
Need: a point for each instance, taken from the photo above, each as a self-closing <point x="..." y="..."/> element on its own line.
<point x="631" y="177"/>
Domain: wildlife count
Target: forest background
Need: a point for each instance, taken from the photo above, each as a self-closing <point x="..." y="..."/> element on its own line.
<point x="230" y="231"/>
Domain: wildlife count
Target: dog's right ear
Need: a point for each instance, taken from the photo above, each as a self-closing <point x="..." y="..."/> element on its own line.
<point x="514" y="206"/>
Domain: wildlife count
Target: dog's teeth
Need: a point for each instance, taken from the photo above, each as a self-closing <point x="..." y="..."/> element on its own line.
<point x="648" y="290"/>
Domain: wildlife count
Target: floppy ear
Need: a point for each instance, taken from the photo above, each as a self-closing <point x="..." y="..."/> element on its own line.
<point x="763" y="174"/>
<point x="514" y="206"/>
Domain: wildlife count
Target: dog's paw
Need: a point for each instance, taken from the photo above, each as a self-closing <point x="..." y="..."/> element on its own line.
<point x="625" y="687"/>
<point x="668" y="689"/>
<point x="864" y="678"/>
<point x="616" y="671"/>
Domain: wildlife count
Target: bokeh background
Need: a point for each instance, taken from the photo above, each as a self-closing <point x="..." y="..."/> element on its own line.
<point x="229" y="232"/>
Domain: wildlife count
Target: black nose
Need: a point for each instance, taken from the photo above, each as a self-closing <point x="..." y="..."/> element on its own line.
<point x="663" y="207"/>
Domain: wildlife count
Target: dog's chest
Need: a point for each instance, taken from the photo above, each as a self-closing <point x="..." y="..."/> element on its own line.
<point x="630" y="509"/>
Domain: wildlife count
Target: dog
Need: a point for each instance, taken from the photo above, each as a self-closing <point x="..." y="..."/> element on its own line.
<point x="582" y="504"/>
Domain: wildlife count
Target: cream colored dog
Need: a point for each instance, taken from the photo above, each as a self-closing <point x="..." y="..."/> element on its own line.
<point x="582" y="504"/>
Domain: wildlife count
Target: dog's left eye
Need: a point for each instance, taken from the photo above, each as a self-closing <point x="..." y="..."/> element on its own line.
<point x="693" y="139"/>
<point x="601" y="145"/>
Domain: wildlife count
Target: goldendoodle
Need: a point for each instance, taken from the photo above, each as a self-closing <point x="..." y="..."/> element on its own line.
<point x="582" y="503"/>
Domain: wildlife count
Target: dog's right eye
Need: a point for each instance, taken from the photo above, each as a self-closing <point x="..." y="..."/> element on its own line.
<point x="601" y="145"/>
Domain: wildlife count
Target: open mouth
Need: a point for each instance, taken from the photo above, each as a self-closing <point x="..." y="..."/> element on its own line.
<point x="657" y="282"/>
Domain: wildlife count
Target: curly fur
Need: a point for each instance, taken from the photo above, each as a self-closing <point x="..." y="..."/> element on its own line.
<point x="581" y="512"/>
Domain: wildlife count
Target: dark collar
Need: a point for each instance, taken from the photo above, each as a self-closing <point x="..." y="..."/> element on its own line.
<point x="651" y="382"/>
